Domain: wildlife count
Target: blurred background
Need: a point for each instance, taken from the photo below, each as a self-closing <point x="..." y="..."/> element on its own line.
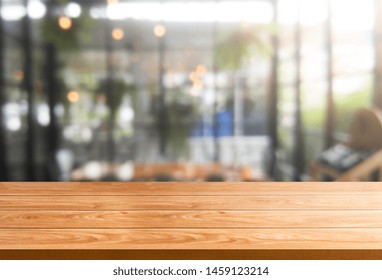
<point x="128" y="90"/>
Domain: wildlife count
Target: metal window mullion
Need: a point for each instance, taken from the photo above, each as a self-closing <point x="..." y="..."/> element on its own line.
<point x="377" y="34"/>
<point x="273" y="94"/>
<point x="3" y="142"/>
<point x="330" y="111"/>
<point x="298" y="149"/>
<point x="30" y="159"/>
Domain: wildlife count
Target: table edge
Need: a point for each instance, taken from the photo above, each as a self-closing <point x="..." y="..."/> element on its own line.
<point x="307" y="254"/>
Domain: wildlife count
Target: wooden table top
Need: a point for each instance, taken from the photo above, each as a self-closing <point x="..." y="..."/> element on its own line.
<point x="209" y="219"/>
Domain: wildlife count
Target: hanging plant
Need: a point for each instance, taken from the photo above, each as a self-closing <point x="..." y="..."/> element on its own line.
<point x="119" y="90"/>
<point x="62" y="39"/>
<point x="64" y="32"/>
<point x="66" y="37"/>
<point x="239" y="47"/>
<point x="181" y="118"/>
<point x="182" y="113"/>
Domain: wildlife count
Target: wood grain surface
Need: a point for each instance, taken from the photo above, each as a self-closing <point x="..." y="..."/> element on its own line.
<point x="203" y="217"/>
<point x="234" y="239"/>
<point x="277" y="202"/>
<point x="190" y="188"/>
<point x="190" y="219"/>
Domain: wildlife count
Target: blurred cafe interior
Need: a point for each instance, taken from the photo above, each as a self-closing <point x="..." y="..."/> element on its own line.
<point x="178" y="90"/>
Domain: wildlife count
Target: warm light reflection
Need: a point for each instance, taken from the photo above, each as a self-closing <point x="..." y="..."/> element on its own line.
<point x="193" y="77"/>
<point x="201" y="70"/>
<point x="65" y="23"/>
<point x="118" y="34"/>
<point x="19" y="75"/>
<point x="101" y="98"/>
<point x="159" y="31"/>
<point x="73" y="96"/>
<point x="198" y="85"/>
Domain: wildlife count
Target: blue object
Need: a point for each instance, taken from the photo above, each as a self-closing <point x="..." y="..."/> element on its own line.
<point x="202" y="129"/>
<point x="224" y="123"/>
<point x="224" y="126"/>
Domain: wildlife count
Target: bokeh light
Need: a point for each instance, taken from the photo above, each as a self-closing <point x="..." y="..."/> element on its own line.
<point x="73" y="96"/>
<point x="118" y="34"/>
<point x="159" y="31"/>
<point x="65" y="23"/>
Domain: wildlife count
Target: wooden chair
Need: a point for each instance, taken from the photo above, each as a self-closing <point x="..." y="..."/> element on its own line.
<point x="365" y="134"/>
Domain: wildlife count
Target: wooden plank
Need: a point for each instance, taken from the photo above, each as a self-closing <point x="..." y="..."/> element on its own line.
<point x="215" y="239"/>
<point x="190" y="216"/>
<point x="190" y="188"/>
<point x="286" y="202"/>
<point x="190" y="219"/>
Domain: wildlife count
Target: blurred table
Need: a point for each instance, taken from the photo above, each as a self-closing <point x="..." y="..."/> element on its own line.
<point x="190" y="220"/>
<point x="177" y="171"/>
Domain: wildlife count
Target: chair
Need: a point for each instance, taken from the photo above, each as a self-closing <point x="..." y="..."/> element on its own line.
<point x="365" y="137"/>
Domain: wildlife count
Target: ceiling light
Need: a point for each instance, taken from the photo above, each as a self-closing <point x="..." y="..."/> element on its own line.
<point x="36" y="10"/>
<point x="73" y="10"/>
<point x="12" y="12"/>
<point x="193" y="11"/>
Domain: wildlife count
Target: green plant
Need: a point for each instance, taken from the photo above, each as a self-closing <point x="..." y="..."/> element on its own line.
<point x="119" y="89"/>
<point x="233" y="52"/>
<point x="347" y="106"/>
<point x="238" y="47"/>
<point x="181" y="113"/>
<point x="66" y="39"/>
